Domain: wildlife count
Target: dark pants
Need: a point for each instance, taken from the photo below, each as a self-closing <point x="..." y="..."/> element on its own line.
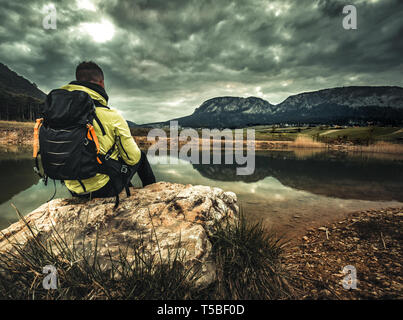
<point x="142" y="168"/>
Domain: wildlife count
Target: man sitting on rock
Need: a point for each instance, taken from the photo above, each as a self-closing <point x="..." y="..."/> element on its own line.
<point x="114" y="138"/>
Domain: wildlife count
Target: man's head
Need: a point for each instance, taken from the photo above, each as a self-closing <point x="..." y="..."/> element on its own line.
<point x="90" y="71"/>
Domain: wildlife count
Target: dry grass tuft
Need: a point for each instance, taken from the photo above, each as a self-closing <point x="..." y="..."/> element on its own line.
<point x="306" y="142"/>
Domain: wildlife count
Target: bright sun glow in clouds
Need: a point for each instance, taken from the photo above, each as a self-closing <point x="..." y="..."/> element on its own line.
<point x="100" y="32"/>
<point x="86" y="5"/>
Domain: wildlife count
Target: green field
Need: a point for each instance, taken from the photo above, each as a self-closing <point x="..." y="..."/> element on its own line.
<point x="329" y="134"/>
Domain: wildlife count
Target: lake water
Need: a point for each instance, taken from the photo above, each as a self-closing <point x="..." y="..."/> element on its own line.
<point x="289" y="190"/>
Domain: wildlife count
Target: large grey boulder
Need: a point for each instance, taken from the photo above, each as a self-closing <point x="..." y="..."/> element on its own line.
<point x="161" y="218"/>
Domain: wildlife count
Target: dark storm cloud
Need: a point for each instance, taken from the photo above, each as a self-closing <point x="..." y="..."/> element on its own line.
<point x="166" y="57"/>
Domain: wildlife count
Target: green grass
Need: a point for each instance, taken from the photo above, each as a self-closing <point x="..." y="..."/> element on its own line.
<point x="358" y="135"/>
<point x="247" y="259"/>
<point x="378" y="133"/>
<point x="329" y="134"/>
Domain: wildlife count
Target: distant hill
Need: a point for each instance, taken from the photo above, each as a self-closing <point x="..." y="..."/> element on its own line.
<point x="344" y="105"/>
<point x="19" y="98"/>
<point x="132" y="124"/>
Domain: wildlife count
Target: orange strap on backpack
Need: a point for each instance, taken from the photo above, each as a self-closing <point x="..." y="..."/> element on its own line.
<point x="36" y="136"/>
<point x="93" y="137"/>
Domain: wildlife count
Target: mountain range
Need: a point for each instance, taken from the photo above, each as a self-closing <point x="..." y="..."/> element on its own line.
<point x="343" y="105"/>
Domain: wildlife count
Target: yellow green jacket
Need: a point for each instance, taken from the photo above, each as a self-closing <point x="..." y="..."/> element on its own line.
<point x="116" y="129"/>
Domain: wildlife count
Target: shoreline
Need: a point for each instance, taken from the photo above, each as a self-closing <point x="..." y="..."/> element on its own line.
<point x="23" y="136"/>
<point x="369" y="240"/>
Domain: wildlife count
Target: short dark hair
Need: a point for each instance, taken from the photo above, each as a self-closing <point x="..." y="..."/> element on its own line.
<point x="89" y="71"/>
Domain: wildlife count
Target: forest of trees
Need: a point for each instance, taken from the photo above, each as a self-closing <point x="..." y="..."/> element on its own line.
<point x="19" y="107"/>
<point x="20" y="99"/>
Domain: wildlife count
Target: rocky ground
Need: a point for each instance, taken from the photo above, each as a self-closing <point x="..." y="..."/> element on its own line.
<point x="371" y="241"/>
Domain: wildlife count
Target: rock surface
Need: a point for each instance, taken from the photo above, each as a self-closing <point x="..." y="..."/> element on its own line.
<point x="159" y="218"/>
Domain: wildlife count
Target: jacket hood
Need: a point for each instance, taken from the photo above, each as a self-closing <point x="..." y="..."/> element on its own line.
<point x="92" y="86"/>
<point x="96" y="92"/>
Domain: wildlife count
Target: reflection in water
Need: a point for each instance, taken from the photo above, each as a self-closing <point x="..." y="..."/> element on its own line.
<point x="21" y="186"/>
<point x="291" y="193"/>
<point x="333" y="175"/>
<point x="16" y="175"/>
<point x="288" y="192"/>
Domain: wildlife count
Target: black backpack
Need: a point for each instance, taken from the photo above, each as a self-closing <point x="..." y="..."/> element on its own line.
<point x="69" y="148"/>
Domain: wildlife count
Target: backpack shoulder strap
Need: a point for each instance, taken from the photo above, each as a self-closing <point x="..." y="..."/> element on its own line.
<point x="99" y="105"/>
<point x="99" y="124"/>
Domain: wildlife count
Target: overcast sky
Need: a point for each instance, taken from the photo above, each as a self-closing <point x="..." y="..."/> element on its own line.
<point x="163" y="58"/>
